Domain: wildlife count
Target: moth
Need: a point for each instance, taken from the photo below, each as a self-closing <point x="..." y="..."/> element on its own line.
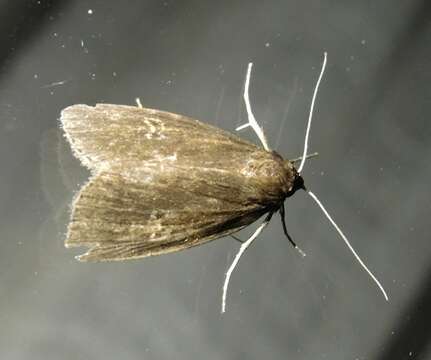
<point x="162" y="182"/>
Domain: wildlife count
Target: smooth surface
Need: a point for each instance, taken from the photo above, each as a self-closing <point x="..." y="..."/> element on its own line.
<point x="371" y="128"/>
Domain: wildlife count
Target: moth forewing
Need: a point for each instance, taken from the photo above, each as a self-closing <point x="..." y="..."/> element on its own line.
<point x="124" y="137"/>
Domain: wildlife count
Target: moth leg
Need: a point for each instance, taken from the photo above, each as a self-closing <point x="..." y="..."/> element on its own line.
<point x="243" y="247"/>
<point x="237" y="239"/>
<point x="251" y="119"/>
<point x="283" y="222"/>
<point x="138" y="103"/>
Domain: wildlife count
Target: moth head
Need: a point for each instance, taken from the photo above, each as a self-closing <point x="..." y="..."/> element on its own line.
<point x="295" y="180"/>
<point x="298" y="183"/>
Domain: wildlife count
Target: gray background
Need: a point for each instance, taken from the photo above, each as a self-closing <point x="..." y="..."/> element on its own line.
<point x="371" y="128"/>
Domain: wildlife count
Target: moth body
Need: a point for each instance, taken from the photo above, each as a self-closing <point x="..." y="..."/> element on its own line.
<point x="162" y="182"/>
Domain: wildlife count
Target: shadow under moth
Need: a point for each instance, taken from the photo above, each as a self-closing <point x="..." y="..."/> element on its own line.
<point x="162" y="182"/>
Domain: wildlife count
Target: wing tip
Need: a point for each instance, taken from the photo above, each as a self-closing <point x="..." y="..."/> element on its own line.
<point x="87" y="256"/>
<point x="100" y="253"/>
<point x="72" y="112"/>
<point x="81" y="258"/>
<point x="90" y="255"/>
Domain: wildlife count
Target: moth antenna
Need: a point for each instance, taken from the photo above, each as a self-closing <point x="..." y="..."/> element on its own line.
<point x="314" y="197"/>
<point x="243" y="248"/>
<point x="309" y="156"/>
<point x="251" y="119"/>
<point x="310" y="115"/>
<point x="138" y="103"/>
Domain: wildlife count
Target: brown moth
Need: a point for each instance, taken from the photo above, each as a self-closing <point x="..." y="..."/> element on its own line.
<point x="163" y="182"/>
